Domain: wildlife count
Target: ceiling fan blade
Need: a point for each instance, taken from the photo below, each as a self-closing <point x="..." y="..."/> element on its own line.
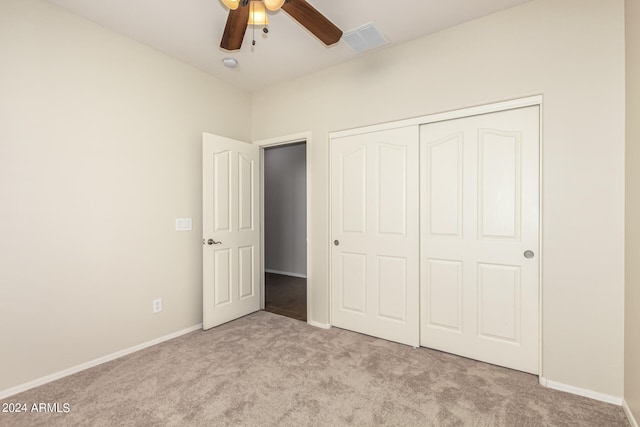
<point x="234" y="30"/>
<point x="313" y="21"/>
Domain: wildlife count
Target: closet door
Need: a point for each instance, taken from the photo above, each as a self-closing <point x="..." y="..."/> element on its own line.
<point x="479" y="237"/>
<point x="375" y="237"/>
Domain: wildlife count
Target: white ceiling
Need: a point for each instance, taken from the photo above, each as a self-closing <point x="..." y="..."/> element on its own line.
<point x="191" y="31"/>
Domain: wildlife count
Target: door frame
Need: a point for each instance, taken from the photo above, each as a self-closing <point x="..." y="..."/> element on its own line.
<point x="302" y="137"/>
<point x="529" y="101"/>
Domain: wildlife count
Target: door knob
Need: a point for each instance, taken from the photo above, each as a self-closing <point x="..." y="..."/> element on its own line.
<point x="336" y="242"/>
<point x="528" y="254"/>
<point x="212" y="242"/>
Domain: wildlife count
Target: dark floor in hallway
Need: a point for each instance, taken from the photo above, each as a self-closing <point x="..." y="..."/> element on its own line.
<point x="286" y="295"/>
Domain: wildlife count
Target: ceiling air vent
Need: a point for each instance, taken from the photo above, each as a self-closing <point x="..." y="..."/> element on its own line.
<point x="363" y="38"/>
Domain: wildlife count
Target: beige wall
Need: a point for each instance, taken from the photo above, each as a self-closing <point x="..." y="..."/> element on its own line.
<point x="632" y="279"/>
<point x="572" y="52"/>
<point x="100" y="151"/>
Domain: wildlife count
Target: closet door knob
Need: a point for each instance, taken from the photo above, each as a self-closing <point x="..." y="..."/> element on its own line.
<point x="528" y="254"/>
<point x="336" y="242"/>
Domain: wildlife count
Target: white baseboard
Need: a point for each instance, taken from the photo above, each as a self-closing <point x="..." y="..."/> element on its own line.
<point x="285" y="273"/>
<point x="629" y="414"/>
<point x="319" y="325"/>
<point x="81" y="367"/>
<point x="581" y="391"/>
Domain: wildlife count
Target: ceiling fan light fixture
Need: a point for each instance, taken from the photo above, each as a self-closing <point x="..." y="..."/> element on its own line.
<point x="231" y="4"/>
<point x="258" y="14"/>
<point x="273" y="5"/>
<point x="299" y="10"/>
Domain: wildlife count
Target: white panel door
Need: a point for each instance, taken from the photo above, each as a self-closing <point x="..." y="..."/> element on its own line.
<point x="479" y="217"/>
<point x="374" y="227"/>
<point x="231" y="229"/>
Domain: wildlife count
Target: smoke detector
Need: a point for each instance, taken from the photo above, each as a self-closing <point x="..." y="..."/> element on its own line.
<point x="230" y="62"/>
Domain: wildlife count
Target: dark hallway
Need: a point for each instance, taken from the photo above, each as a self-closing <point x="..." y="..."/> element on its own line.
<point x="286" y="295"/>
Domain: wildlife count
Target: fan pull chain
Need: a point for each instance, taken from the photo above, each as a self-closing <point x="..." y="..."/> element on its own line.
<point x="265" y="29"/>
<point x="253" y="27"/>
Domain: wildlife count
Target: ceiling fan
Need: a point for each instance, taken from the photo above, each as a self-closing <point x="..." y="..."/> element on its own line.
<point x="300" y="10"/>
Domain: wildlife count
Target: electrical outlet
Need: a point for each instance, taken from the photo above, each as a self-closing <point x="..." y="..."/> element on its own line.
<point x="157" y="305"/>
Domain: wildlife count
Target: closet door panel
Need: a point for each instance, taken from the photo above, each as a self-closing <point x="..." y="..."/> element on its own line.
<point x="374" y="234"/>
<point x="479" y="217"/>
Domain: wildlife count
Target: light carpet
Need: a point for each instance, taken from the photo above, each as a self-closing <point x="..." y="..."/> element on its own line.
<point x="269" y="370"/>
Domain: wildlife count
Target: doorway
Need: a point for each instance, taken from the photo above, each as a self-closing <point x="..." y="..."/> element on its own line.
<point x="285" y="230"/>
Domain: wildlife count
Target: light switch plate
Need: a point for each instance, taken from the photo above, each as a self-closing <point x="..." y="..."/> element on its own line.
<point x="184" y="224"/>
